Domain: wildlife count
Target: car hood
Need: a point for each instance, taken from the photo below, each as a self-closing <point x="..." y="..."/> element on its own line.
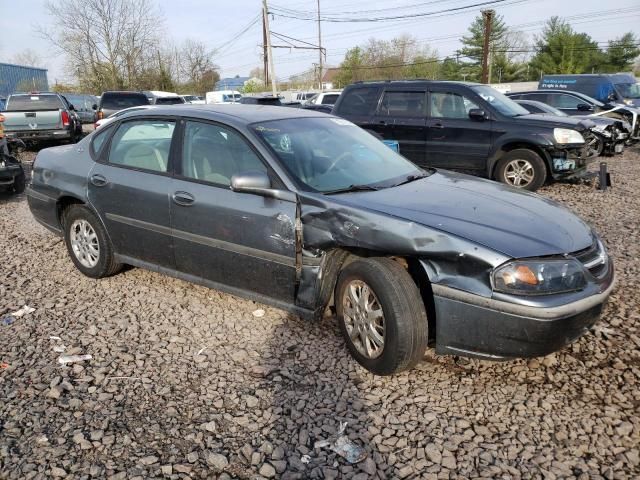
<point x="550" y="121"/>
<point x="507" y="220"/>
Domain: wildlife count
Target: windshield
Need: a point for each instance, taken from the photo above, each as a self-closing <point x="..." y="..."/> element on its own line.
<point x="629" y="90"/>
<point x="231" y="97"/>
<point x="500" y="102"/>
<point x="328" y="154"/>
<point x="34" y="103"/>
<point x="190" y="98"/>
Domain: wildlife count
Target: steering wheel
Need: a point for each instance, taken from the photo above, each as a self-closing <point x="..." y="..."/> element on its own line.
<point x="339" y="159"/>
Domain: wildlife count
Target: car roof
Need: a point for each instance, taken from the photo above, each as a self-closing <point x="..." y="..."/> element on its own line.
<point x="413" y="82"/>
<point x="237" y="113"/>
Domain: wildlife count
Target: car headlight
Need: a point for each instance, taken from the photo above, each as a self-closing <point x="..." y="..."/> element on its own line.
<point x="628" y="102"/>
<point x="566" y="135"/>
<point x="539" y="277"/>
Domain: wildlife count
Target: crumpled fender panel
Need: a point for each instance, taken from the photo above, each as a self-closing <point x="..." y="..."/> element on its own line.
<point x="329" y="227"/>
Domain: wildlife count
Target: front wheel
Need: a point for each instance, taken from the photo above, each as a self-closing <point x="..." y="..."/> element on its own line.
<point x="522" y="168"/>
<point x="381" y="315"/>
<point x="19" y="183"/>
<point x="87" y="243"/>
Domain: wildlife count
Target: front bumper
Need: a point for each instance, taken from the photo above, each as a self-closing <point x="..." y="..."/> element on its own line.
<point x="39" y="135"/>
<point x="475" y="326"/>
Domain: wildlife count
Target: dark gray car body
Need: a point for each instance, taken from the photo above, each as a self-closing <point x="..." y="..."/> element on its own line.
<point x="450" y="230"/>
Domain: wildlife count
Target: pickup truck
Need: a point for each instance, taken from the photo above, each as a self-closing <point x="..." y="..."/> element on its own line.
<point x="36" y="117"/>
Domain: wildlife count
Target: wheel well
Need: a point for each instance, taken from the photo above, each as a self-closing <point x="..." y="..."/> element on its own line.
<point x="413" y="268"/>
<point x="516" y="145"/>
<point x="64" y="203"/>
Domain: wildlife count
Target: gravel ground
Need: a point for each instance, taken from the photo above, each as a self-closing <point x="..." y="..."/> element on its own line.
<point x="185" y="382"/>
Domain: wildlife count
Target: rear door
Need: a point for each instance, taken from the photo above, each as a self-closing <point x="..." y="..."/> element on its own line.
<point x="129" y="188"/>
<point x="401" y="116"/>
<point x="240" y="240"/>
<point x="454" y="140"/>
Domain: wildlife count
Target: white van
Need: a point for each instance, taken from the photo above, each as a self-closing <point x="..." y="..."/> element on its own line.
<point x="223" y="96"/>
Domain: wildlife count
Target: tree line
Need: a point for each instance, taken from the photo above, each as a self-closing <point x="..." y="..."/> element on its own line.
<point x="123" y="45"/>
<point x="558" y="49"/>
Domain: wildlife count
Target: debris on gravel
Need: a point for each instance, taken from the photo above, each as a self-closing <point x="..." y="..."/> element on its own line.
<point x="187" y="382"/>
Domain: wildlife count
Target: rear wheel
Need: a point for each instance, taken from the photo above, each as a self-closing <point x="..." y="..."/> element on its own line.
<point x="87" y="243"/>
<point x="381" y="315"/>
<point x="522" y="168"/>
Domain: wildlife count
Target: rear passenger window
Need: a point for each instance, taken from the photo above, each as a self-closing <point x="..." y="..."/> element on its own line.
<point x="98" y="139"/>
<point x="142" y="144"/>
<point x="359" y="101"/>
<point x="212" y="153"/>
<point x="403" y="104"/>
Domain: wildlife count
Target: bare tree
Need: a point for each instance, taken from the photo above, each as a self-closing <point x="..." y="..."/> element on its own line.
<point x="108" y="43"/>
<point x="196" y="66"/>
<point x="28" y="57"/>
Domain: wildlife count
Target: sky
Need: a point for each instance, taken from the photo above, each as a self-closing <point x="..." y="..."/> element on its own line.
<point x="215" y="22"/>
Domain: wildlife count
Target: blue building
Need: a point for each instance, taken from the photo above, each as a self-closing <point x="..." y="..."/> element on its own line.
<point x="231" y="83"/>
<point x="18" y="78"/>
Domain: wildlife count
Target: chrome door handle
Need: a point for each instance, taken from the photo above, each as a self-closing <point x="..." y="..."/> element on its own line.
<point x="437" y="125"/>
<point x="184" y="199"/>
<point x="98" y="180"/>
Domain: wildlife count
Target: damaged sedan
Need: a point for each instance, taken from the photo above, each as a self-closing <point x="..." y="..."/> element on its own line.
<point x="308" y="212"/>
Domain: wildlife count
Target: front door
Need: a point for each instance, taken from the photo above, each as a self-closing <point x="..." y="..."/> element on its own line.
<point x="401" y="116"/>
<point x="454" y="140"/>
<point x="129" y="188"/>
<point x="241" y="240"/>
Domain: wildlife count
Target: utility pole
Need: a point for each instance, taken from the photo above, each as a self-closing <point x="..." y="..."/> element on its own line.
<point x="269" y="51"/>
<point x="265" y="55"/>
<point x="486" y="62"/>
<point x="319" y="49"/>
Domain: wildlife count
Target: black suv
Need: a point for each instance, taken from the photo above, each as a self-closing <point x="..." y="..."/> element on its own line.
<point x="468" y="126"/>
<point x="112" y="102"/>
<point x="577" y="104"/>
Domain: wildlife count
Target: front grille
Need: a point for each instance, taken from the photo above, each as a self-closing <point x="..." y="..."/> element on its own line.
<point x="594" y="259"/>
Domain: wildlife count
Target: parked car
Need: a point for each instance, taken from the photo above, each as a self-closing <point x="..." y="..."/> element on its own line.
<point x="262" y="100"/>
<point x="193" y="99"/>
<point x="606" y="88"/>
<point x="169" y="100"/>
<point x="609" y="134"/>
<point x="318" y="108"/>
<point x="579" y="104"/>
<point x="83" y="106"/>
<point x="306" y="211"/>
<point x="223" y="96"/>
<point x="112" y="102"/>
<point x="324" y="98"/>
<point x="303" y="97"/>
<point x="468" y="126"/>
<point x="116" y="115"/>
<point x="12" y="176"/>
<point x="36" y="117"/>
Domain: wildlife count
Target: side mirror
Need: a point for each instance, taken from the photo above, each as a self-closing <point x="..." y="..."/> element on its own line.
<point x="259" y="183"/>
<point x="584" y="107"/>
<point x="94" y="106"/>
<point x="612" y="97"/>
<point x="71" y="107"/>
<point x="477" y="114"/>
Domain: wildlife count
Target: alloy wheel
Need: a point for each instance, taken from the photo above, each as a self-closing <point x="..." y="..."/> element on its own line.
<point x="519" y="173"/>
<point x="84" y="243"/>
<point x="363" y="318"/>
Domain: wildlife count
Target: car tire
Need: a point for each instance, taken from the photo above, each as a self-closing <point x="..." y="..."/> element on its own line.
<point x="88" y="243"/>
<point x="522" y="168"/>
<point x="392" y="293"/>
<point x="20" y="183"/>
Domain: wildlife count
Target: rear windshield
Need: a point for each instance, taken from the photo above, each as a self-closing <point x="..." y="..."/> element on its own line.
<point x="120" y="101"/>
<point x="168" y="100"/>
<point x="34" y="103"/>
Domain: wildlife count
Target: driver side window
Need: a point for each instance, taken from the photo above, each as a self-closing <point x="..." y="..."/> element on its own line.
<point x="214" y="154"/>
<point x="450" y="105"/>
